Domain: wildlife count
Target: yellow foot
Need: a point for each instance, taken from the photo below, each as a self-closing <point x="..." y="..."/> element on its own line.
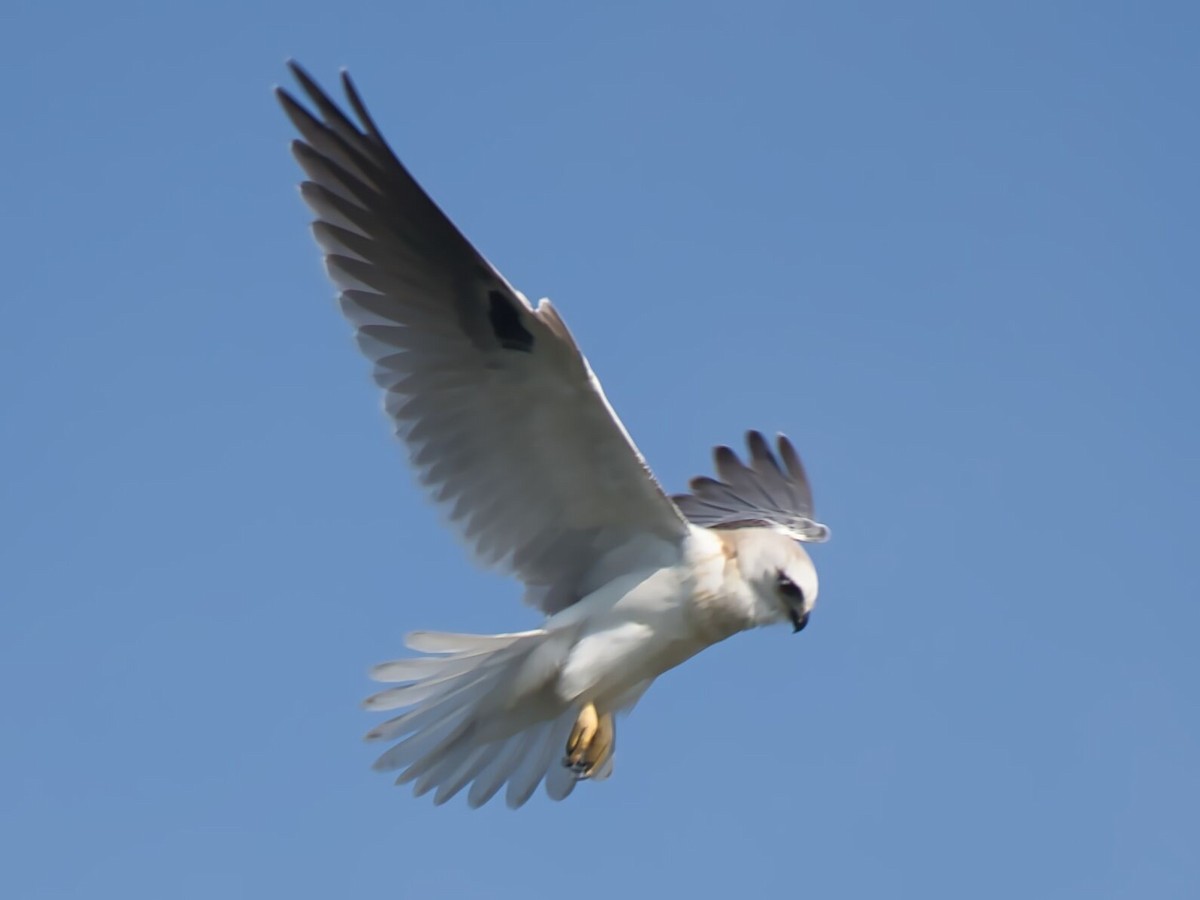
<point x="590" y="743"/>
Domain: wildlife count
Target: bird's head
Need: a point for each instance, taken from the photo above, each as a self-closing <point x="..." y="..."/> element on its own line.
<point x="779" y="575"/>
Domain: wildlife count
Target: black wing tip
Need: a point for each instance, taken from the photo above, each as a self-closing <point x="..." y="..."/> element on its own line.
<point x="307" y="83"/>
<point x="783" y="448"/>
<point x="359" y="107"/>
<point x="791" y="460"/>
<point x="288" y="100"/>
<point x="301" y="151"/>
<point x="300" y="73"/>
<point x="313" y="89"/>
<point x="758" y="446"/>
<point x="726" y="459"/>
<point x="291" y="105"/>
<point x="292" y="108"/>
<point x="785" y="489"/>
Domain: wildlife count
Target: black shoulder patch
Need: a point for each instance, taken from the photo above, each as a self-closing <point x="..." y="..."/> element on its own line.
<point x="506" y="324"/>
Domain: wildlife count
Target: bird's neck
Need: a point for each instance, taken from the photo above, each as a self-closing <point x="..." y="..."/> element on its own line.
<point x="720" y="602"/>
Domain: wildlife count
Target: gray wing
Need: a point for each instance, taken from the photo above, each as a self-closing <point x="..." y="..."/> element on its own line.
<point x="763" y="493"/>
<point x="503" y="418"/>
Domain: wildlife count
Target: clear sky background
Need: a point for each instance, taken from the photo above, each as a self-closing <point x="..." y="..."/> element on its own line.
<point x="950" y="248"/>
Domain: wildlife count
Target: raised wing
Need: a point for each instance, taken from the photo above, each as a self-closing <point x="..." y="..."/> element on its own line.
<point x="763" y="493"/>
<point x="503" y="418"/>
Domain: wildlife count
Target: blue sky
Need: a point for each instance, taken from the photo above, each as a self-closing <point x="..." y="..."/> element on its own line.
<point x="949" y="248"/>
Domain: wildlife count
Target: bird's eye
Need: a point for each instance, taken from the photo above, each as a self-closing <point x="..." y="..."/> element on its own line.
<point x="789" y="588"/>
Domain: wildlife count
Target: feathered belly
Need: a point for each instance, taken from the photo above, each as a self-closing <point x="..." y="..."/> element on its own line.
<point x="625" y="642"/>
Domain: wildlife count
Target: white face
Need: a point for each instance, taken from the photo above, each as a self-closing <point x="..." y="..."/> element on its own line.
<point x="781" y="577"/>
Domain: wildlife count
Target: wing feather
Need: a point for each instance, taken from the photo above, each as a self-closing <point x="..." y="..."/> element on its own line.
<point x="763" y="493"/>
<point x="504" y="421"/>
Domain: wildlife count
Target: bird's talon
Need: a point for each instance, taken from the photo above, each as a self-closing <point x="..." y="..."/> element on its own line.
<point x="590" y="743"/>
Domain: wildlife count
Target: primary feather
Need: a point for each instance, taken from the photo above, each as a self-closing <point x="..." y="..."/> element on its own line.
<point x="504" y="420"/>
<point x="761" y="494"/>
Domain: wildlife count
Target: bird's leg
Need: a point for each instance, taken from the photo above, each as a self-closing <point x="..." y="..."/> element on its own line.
<point x="590" y="742"/>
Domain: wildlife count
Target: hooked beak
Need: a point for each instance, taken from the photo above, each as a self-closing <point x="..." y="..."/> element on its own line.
<point x="799" y="619"/>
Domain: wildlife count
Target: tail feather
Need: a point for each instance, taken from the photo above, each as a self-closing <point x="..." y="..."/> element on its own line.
<point x="407" y="695"/>
<point x="427" y="743"/>
<point x="524" y="781"/>
<point x="560" y="781"/>
<point x="435" y="690"/>
<point x="447" y="642"/>
<point x="546" y="753"/>
<point x="444" y="768"/>
<point x="465" y="773"/>
<point x="427" y="676"/>
<point x="499" y="769"/>
<point x="462" y="697"/>
<point x="606" y="768"/>
<point x="444" y="755"/>
<point x="460" y="705"/>
<point x="423" y="667"/>
<point x="455" y="654"/>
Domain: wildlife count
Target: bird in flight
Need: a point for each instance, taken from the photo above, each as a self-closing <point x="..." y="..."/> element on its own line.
<point x="510" y="431"/>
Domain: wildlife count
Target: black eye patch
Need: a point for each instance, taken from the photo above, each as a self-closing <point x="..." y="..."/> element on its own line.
<point x="789" y="588"/>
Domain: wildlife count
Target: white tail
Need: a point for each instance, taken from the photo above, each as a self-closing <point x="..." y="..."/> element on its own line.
<point x="482" y="710"/>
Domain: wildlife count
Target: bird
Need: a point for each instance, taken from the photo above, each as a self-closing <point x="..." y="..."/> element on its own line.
<point x="508" y="428"/>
